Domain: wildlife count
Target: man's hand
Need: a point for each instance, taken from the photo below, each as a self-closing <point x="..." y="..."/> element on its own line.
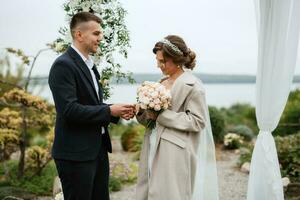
<point x="129" y="115"/>
<point x="125" y="111"/>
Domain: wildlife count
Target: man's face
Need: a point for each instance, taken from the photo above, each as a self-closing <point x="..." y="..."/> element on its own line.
<point x="90" y="36"/>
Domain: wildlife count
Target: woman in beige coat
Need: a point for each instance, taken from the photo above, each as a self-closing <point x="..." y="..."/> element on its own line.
<point x="169" y="161"/>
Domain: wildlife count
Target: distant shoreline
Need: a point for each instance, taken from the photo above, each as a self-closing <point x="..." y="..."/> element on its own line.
<point x="206" y="78"/>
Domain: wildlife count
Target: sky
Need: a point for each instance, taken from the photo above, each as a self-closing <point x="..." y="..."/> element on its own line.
<point x="221" y="32"/>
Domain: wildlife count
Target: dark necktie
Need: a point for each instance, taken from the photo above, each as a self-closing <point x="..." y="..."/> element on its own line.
<point x="97" y="75"/>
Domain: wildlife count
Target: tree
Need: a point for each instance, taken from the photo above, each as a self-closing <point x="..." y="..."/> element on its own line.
<point x="20" y="112"/>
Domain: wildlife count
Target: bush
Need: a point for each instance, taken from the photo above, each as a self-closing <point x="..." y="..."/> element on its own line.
<point x="232" y="141"/>
<point x="245" y="154"/>
<point x="290" y="119"/>
<point x="122" y="169"/>
<point x="217" y="124"/>
<point x="240" y="114"/>
<point x="115" y="184"/>
<point x="36" y="159"/>
<point x="40" y="185"/>
<point x="288" y="149"/>
<point x="243" y="131"/>
<point x="8" y="193"/>
<point x="39" y="140"/>
<point x="118" y="129"/>
<point x="121" y="172"/>
<point x="293" y="198"/>
<point x="132" y="138"/>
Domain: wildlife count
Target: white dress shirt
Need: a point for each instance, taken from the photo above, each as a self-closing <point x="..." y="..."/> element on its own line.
<point x="89" y="63"/>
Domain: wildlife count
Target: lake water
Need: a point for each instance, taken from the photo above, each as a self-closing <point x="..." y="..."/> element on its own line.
<point x="220" y="95"/>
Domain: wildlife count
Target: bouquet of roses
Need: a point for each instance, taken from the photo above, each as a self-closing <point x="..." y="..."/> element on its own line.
<point x="153" y="97"/>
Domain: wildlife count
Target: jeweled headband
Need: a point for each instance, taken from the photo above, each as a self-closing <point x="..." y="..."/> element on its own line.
<point x="173" y="47"/>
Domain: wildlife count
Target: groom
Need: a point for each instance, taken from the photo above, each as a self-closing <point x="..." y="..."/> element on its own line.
<point x="81" y="137"/>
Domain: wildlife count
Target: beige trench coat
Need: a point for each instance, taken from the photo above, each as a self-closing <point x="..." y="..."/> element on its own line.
<point x="178" y="128"/>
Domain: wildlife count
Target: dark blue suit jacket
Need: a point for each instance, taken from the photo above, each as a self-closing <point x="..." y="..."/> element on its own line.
<point x="79" y="113"/>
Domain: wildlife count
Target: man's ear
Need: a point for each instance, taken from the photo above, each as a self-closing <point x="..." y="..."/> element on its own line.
<point x="78" y="35"/>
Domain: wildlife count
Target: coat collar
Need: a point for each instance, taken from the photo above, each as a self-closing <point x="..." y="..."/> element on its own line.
<point x="83" y="67"/>
<point x="182" y="86"/>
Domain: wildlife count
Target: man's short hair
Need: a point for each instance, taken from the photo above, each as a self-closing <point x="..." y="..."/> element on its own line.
<point x="82" y="17"/>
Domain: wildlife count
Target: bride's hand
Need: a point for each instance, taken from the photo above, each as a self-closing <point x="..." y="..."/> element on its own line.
<point x="150" y="114"/>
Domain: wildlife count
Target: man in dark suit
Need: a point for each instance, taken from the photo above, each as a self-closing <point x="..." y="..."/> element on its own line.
<point x="81" y="138"/>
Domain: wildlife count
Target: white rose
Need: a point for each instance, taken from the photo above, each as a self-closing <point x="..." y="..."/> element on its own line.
<point x="145" y="100"/>
<point x="143" y="106"/>
<point x="141" y="89"/>
<point x="85" y="6"/>
<point x="59" y="46"/>
<point x="166" y="105"/>
<point x="154" y="94"/>
<point x="151" y="105"/>
<point x="104" y="82"/>
<point x="157" y="107"/>
<point x="73" y="3"/>
<point x="156" y="101"/>
<point x="163" y="98"/>
<point x="145" y="94"/>
<point x="150" y="90"/>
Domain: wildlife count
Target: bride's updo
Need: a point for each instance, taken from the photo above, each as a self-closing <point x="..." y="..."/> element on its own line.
<point x="174" y="48"/>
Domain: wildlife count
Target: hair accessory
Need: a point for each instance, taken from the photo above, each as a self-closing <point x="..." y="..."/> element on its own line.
<point x="173" y="47"/>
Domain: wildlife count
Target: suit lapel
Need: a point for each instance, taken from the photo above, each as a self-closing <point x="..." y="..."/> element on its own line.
<point x="82" y="66"/>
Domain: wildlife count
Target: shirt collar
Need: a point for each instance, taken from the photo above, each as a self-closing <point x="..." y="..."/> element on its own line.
<point x="88" y="61"/>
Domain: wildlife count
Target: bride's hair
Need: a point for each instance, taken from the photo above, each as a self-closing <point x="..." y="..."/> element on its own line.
<point x="174" y="48"/>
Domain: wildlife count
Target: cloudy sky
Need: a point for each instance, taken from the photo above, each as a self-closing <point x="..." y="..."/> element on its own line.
<point x="222" y="33"/>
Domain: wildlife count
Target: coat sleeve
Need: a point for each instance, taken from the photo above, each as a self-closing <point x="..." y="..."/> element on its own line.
<point x="63" y="86"/>
<point x="191" y="120"/>
<point x="113" y="119"/>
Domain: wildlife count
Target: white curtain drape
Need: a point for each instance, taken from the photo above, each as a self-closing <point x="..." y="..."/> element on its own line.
<point x="278" y="23"/>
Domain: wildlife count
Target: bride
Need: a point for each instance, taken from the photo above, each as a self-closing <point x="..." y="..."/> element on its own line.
<point x="177" y="160"/>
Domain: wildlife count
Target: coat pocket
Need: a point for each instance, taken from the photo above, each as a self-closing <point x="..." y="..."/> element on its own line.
<point x="173" y="139"/>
